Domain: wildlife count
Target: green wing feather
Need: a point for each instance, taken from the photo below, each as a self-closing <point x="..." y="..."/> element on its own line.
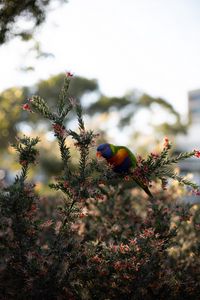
<point x="132" y="157"/>
<point x="114" y="150"/>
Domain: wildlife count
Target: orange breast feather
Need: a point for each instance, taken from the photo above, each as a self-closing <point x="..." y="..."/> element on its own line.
<point x="118" y="158"/>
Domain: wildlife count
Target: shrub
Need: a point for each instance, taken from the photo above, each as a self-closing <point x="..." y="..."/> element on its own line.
<point x="103" y="238"/>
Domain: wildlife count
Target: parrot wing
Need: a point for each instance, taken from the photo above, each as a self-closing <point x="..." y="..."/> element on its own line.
<point x="130" y="155"/>
<point x="119" y="157"/>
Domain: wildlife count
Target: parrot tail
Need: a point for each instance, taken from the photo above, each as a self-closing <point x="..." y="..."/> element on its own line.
<point x="144" y="187"/>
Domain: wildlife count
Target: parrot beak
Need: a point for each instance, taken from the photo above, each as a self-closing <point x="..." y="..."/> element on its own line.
<point x="98" y="154"/>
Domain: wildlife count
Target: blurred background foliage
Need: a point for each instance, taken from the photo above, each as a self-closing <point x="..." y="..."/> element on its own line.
<point x="20" y="19"/>
<point x="14" y="15"/>
<point x="100" y="111"/>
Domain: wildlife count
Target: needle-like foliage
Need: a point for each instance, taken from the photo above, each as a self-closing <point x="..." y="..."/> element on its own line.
<point x="100" y="237"/>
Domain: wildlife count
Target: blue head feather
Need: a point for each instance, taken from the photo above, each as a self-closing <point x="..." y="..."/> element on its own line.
<point x="105" y="150"/>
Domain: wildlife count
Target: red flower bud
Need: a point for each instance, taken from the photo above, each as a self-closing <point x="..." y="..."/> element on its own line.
<point x="196" y="192"/>
<point x="27" y="107"/>
<point x="81" y="215"/>
<point x="197" y="153"/>
<point x="69" y="74"/>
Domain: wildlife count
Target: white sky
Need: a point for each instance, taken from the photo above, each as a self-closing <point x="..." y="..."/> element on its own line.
<point x="152" y="45"/>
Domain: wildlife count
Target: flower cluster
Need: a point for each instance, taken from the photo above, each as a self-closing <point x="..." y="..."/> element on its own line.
<point x="142" y="173"/>
<point x="98" y="238"/>
<point x="166" y="144"/>
<point x="160" y="166"/>
<point x="60" y="130"/>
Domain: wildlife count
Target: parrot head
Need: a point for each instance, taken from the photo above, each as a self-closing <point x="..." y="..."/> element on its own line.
<point x="104" y="150"/>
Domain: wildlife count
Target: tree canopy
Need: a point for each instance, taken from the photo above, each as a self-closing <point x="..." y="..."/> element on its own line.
<point x="127" y="106"/>
<point x="31" y="12"/>
<point x="12" y="99"/>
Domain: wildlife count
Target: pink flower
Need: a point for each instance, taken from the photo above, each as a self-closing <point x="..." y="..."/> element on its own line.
<point x="96" y="259"/>
<point x="166" y="144"/>
<point x="60" y="130"/>
<point x="154" y="155"/>
<point x="141" y="172"/>
<point x="27" y="107"/>
<point x="23" y="163"/>
<point x="133" y="242"/>
<point x="65" y="184"/>
<point x="197" y="153"/>
<point x="114" y="248"/>
<point x="118" y="265"/>
<point x="139" y="159"/>
<point x="46" y="224"/>
<point x="196" y="192"/>
<point x="81" y="215"/>
<point x="148" y="232"/>
<point x="124" y="248"/>
<point x="69" y="74"/>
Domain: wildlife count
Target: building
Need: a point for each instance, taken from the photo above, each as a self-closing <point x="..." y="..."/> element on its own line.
<point x="191" y="141"/>
<point x="194" y="106"/>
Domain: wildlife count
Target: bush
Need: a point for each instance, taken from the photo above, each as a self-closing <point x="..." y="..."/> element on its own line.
<point x="102" y="238"/>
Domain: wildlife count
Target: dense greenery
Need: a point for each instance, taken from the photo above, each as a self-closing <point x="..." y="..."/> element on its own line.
<point x="99" y="237"/>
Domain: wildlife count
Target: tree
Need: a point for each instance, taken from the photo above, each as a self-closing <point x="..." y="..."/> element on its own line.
<point x="12" y="99"/>
<point x="78" y="88"/>
<point x="129" y="105"/>
<point x="10" y="113"/>
<point x="33" y="12"/>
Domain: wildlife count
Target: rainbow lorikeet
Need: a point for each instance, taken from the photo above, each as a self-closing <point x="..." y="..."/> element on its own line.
<point x="122" y="160"/>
